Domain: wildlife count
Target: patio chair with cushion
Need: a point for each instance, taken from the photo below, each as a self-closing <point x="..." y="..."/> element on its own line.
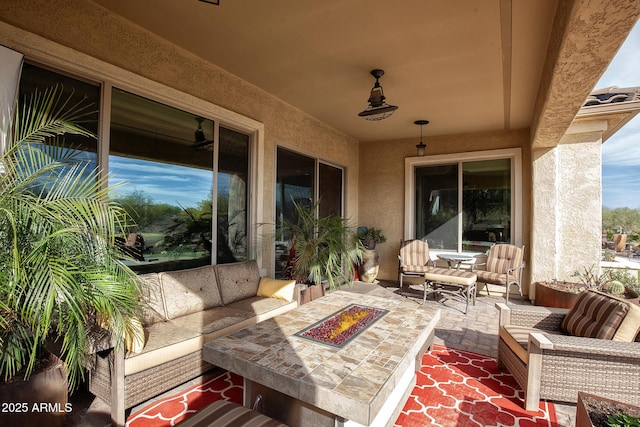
<point x="503" y="267"/>
<point x="413" y="260"/>
<point x="554" y="352"/>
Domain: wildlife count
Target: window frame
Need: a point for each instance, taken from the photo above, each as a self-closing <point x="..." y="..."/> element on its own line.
<point x="513" y="154"/>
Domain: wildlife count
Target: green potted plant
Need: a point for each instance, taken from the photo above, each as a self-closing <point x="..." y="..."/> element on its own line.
<point x="322" y="250"/>
<point x="371" y="237"/>
<point x="60" y="271"/>
<point x="597" y="411"/>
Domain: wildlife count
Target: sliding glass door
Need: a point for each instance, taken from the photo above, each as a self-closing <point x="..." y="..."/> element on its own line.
<point x="303" y="180"/>
<point x="463" y="205"/>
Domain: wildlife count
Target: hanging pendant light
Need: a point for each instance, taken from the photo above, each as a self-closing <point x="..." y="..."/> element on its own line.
<point x="422" y="146"/>
<point x="378" y="109"/>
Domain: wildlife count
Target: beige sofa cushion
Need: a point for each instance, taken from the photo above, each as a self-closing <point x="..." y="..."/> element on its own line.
<point x="152" y="302"/>
<point x="215" y="320"/>
<point x="189" y="291"/>
<point x="264" y="308"/>
<point x="238" y="280"/>
<point x="166" y="341"/>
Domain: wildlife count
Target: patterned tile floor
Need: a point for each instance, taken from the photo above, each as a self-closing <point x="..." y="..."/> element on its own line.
<point x="476" y="331"/>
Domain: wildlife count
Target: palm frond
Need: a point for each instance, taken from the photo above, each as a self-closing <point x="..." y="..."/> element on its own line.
<point x="57" y="230"/>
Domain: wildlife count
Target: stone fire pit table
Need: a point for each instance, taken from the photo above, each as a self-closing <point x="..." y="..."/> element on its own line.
<point x="364" y="381"/>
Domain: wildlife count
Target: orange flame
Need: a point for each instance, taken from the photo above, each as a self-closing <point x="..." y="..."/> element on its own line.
<point x="347" y="320"/>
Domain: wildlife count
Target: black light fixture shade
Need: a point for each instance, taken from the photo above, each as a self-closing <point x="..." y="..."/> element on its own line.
<point x="421" y="146"/>
<point x="199" y="138"/>
<point x="378" y="109"/>
<point x="216" y="2"/>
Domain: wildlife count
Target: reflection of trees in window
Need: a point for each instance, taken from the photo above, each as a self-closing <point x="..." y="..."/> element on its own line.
<point x="487" y="201"/>
<point x="164" y="158"/>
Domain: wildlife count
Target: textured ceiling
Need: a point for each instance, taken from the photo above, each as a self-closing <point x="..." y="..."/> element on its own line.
<point x="464" y="66"/>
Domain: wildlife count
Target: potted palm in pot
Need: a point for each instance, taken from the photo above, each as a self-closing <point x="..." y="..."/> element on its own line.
<point x="60" y="272"/>
<point x="322" y="250"/>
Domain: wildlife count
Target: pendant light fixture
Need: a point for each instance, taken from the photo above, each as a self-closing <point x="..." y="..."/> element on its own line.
<point x="377" y="109"/>
<point x="422" y="146"/>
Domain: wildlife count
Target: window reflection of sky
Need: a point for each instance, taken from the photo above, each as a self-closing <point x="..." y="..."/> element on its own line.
<point x="163" y="183"/>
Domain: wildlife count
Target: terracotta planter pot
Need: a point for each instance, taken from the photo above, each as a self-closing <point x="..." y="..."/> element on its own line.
<point x="548" y="296"/>
<point x="631" y="295"/>
<point x="39" y="401"/>
<point x="592" y="410"/>
<point x="309" y="293"/>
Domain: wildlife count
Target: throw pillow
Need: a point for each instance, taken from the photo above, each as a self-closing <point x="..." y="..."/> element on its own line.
<point x="274" y="288"/>
<point x="630" y="326"/>
<point x="595" y="315"/>
<point x="135" y="339"/>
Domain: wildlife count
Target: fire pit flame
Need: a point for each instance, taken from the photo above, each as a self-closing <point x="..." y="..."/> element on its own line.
<point x="339" y="328"/>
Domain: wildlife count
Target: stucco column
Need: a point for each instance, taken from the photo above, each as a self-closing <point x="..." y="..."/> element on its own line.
<point x="567" y="204"/>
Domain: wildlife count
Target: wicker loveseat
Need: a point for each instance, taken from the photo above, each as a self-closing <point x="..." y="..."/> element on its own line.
<point x="184" y="310"/>
<point x="540" y="347"/>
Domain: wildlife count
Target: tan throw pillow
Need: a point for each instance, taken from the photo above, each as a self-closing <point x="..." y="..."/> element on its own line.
<point x="135" y="339"/>
<point x="630" y="326"/>
<point x="274" y="288"/>
<point x="595" y="315"/>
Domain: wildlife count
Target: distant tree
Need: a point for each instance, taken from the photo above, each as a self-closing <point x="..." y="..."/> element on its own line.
<point x="619" y="220"/>
<point x="144" y="211"/>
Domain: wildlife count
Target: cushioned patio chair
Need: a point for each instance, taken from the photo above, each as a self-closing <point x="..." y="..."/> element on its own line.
<point x="555" y="352"/>
<point x="503" y="267"/>
<point x="413" y="260"/>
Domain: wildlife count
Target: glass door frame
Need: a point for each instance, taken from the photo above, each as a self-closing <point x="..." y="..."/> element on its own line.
<point x="411" y="163"/>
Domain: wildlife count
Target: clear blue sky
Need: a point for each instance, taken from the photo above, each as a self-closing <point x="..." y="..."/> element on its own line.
<point x="621" y="152"/>
<point x="163" y="183"/>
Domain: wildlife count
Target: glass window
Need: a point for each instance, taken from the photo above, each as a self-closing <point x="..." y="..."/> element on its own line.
<point x="465" y="205"/>
<point x="35" y="78"/>
<point x="161" y="160"/>
<point x="233" y="177"/>
<point x="294" y="182"/>
<point x="486" y="202"/>
<point x="330" y="190"/>
<point x="300" y="178"/>
<point x="437" y="205"/>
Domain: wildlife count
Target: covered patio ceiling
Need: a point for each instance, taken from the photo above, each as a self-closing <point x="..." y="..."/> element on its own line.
<point x="464" y="66"/>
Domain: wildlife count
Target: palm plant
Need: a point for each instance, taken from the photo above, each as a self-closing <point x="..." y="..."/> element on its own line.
<point x="324" y="248"/>
<point x="60" y="272"/>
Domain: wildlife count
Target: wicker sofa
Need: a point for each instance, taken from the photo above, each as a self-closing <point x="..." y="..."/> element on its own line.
<point x="185" y="309"/>
<point x="553" y="353"/>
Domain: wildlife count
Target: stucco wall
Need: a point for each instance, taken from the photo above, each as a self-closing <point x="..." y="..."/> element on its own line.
<point x="567" y="209"/>
<point x="89" y="29"/>
<point x="381" y="201"/>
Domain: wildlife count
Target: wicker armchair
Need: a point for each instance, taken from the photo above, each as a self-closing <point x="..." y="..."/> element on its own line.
<point x="554" y="366"/>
